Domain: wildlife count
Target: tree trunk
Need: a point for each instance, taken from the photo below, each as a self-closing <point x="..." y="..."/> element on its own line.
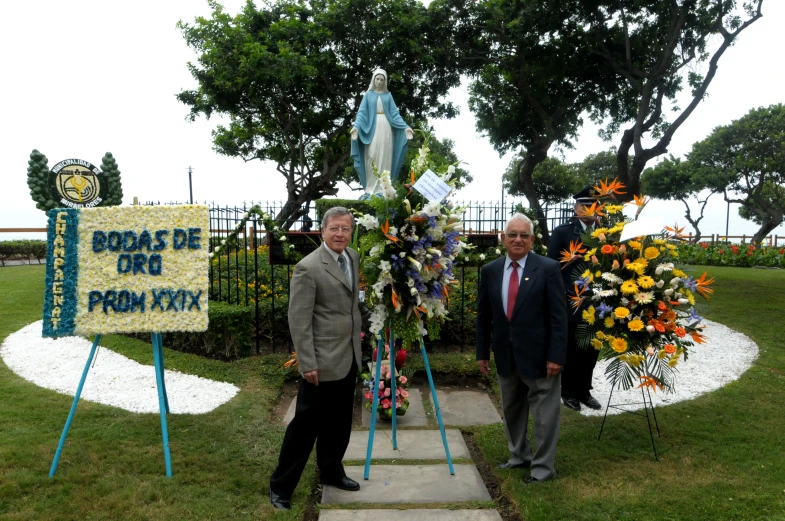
<point x="534" y="156"/>
<point x="768" y="224"/>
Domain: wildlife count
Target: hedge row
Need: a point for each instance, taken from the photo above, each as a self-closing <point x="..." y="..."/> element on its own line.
<point x="22" y="250"/>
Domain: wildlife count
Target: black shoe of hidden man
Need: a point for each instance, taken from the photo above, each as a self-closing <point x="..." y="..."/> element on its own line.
<point x="572" y="403"/>
<point x="591" y="402"/>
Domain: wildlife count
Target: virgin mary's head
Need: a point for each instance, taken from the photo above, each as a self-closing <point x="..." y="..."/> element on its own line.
<point x="378" y="81"/>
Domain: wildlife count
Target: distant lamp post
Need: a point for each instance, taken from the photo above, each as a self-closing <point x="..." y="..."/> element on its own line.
<point x="190" y="185"/>
<point x="727" y="221"/>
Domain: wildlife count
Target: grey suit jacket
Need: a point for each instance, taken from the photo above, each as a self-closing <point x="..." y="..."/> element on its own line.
<point x="324" y="315"/>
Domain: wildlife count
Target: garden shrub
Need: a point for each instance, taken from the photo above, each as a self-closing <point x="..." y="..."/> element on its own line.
<point x="228" y="335"/>
<point x="729" y="254"/>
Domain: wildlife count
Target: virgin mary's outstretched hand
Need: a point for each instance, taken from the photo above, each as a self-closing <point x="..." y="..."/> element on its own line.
<point x="380" y="136"/>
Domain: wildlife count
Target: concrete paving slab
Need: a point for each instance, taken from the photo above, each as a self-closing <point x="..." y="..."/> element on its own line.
<point x="419" y="444"/>
<point x="424" y="514"/>
<point x="415" y="414"/>
<point x="462" y="408"/>
<point x="401" y="484"/>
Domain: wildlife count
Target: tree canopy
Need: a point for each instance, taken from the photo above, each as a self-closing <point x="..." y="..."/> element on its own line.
<point x="746" y="160"/>
<point x="290" y="77"/>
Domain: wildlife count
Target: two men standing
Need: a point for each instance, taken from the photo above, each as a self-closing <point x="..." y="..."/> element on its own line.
<point x="325" y="319"/>
<point x="522" y="315"/>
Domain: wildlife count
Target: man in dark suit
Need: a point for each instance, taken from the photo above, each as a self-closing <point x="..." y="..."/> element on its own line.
<point x="577" y="376"/>
<point x="325" y="320"/>
<point x="522" y="313"/>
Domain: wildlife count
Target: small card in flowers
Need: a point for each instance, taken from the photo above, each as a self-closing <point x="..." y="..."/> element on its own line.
<point x="432" y="187"/>
<point x="126" y="269"/>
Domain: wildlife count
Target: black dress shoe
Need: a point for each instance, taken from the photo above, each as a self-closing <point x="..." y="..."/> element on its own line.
<point x="591" y="402"/>
<point x="532" y="480"/>
<point x="280" y="502"/>
<point x="343" y="483"/>
<point x="508" y="465"/>
<point x="572" y="403"/>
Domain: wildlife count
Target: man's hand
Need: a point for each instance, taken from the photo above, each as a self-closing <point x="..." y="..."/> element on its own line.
<point x="312" y="377"/>
<point x="485" y="366"/>
<point x="553" y="368"/>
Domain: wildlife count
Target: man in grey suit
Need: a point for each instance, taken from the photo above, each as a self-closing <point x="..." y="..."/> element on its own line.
<point x="522" y="313"/>
<point x="325" y="322"/>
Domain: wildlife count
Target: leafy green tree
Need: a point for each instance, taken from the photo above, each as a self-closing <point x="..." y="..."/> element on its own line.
<point x="554" y="181"/>
<point x="597" y="167"/>
<point x="747" y="158"/>
<point x="649" y="45"/>
<point x="290" y="78"/>
<point x="679" y="180"/>
<point x="38" y="181"/>
<point x="114" y="195"/>
<point x="533" y="78"/>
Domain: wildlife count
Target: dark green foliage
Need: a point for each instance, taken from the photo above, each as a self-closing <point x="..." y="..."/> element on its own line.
<point x="114" y="195"/>
<point x="228" y="335"/>
<point x="554" y="181"/>
<point x="322" y="205"/>
<point x="37" y="180"/>
<point x="22" y="249"/>
<point x="727" y="254"/>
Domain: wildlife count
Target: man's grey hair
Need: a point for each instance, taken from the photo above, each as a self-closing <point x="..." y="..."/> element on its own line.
<point x="335" y="211"/>
<point x="520" y="217"/>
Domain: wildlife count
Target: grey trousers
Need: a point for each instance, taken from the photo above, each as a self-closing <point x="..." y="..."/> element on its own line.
<point x="541" y="396"/>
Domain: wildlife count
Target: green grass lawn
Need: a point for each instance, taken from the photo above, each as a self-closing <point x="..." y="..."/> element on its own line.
<point x="721" y="455"/>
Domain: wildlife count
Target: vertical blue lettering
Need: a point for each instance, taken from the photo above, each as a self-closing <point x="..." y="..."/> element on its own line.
<point x="155" y="264"/>
<point x="123" y="301"/>
<point x="157" y="300"/>
<point x="137" y="301"/>
<point x="193" y="238"/>
<point x="179" y="239"/>
<point x="99" y="241"/>
<point x="124" y="263"/>
<point x="109" y="300"/>
<point x="145" y="241"/>
<point x="134" y="241"/>
<point x="160" y="243"/>
<point x="115" y="241"/>
<point x="139" y="261"/>
<point x="94" y="298"/>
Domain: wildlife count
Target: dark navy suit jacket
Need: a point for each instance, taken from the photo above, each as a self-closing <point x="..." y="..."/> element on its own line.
<point x="560" y="241"/>
<point x="537" y="333"/>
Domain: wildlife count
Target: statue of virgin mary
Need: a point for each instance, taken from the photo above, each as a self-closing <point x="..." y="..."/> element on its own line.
<point x="380" y="136"/>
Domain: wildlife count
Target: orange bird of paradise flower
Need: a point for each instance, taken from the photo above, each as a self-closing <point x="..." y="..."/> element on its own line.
<point x="292" y="361"/>
<point x="595" y="210"/>
<point x="640" y="202"/>
<point x="575" y="251"/>
<point x="651" y="383"/>
<point x="386" y="229"/>
<point x="410" y="185"/>
<point x="702" y="285"/>
<point x="606" y="188"/>
<point x="578" y="298"/>
<point x="697" y="337"/>
<point x="676" y="232"/>
<point x="396" y="301"/>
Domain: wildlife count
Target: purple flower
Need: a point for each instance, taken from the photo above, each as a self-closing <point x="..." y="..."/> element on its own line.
<point x="583" y="282"/>
<point x="694" y="318"/>
<point x="603" y="308"/>
<point x="690" y="284"/>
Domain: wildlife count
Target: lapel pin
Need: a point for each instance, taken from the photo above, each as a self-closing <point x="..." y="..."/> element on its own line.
<point x="527" y="278"/>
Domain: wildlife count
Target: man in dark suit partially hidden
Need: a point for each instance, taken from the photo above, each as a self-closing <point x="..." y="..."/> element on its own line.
<point x="522" y="314"/>
<point x="578" y="371"/>
<point x="325" y="318"/>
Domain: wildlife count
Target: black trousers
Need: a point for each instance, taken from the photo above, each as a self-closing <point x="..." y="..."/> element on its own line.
<point x="323" y="415"/>
<point x="578" y="370"/>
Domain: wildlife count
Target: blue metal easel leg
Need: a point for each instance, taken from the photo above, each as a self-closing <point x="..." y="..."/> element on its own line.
<point x="436" y="406"/>
<point x="162" y="406"/>
<point x="375" y="398"/>
<point x="157" y="337"/>
<point x="394" y="405"/>
<point x="71" y="414"/>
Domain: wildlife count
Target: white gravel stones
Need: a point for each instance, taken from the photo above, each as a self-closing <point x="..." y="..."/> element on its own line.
<point x="725" y="356"/>
<point x="113" y="379"/>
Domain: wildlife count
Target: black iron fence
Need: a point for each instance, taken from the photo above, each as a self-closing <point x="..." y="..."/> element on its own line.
<point x="242" y="273"/>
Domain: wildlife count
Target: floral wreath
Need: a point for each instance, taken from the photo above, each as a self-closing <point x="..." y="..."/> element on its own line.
<point x="637" y="306"/>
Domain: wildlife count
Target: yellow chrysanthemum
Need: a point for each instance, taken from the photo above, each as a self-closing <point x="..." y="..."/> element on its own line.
<point x="673" y="361"/>
<point x="690" y="296"/>
<point x="608" y="322"/>
<point x="597" y="344"/>
<point x="589" y="253"/>
<point x="597" y="231"/>
<point x="651" y="252"/>
<point x="588" y="274"/>
<point x="611" y="209"/>
<point x="621" y="312"/>
<point x="588" y="315"/>
<point x="616" y="229"/>
<point x="619" y="345"/>
<point x="628" y="287"/>
<point x="646" y="282"/>
<point x="675" y="254"/>
<point x="659" y="242"/>
<point x="634" y="244"/>
<point x="598" y="273"/>
<point x="600" y="335"/>
<point x="671" y="247"/>
<point x="661" y="354"/>
<point x="678" y="273"/>
<point x="635" y="325"/>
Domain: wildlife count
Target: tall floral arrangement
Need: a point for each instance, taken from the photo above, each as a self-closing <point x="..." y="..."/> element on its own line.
<point x="408" y="248"/>
<point x="638" y="308"/>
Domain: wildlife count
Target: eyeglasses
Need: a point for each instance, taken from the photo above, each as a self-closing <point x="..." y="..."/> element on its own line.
<point x="336" y="229"/>
<point x="514" y="236"/>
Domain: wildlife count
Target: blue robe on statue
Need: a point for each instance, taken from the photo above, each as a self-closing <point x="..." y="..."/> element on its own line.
<point x="366" y="126"/>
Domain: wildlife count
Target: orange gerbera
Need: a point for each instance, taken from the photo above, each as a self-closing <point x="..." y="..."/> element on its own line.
<point x="669" y="348"/>
<point x="680" y="332"/>
<point x="703" y="286"/>
<point x="661" y="305"/>
<point x="606" y="188"/>
<point x="607" y="249"/>
<point x="575" y="251"/>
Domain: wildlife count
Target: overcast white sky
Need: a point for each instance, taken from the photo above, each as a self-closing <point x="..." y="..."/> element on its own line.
<point x="81" y="78"/>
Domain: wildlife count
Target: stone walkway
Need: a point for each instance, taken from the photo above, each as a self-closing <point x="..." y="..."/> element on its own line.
<point x="417" y="471"/>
